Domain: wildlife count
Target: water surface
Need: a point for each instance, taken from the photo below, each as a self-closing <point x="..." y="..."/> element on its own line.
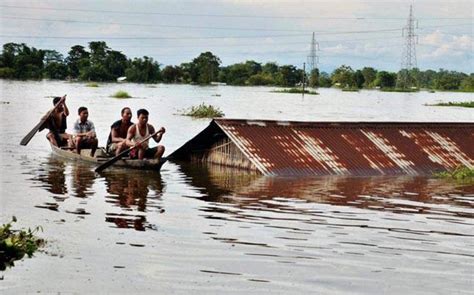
<point x="206" y="229"/>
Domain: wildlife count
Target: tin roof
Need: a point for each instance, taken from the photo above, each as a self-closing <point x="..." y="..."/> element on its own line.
<point x="343" y="148"/>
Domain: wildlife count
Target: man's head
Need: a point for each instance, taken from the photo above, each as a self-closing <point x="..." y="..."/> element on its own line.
<point x="55" y="102"/>
<point x="142" y="116"/>
<point x="126" y="114"/>
<point x="83" y="114"/>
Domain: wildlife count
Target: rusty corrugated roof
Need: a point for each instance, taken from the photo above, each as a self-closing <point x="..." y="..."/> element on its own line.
<point x="345" y="148"/>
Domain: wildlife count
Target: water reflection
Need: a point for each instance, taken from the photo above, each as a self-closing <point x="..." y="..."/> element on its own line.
<point x="402" y="194"/>
<point x="52" y="175"/>
<point x="133" y="192"/>
<point x="82" y="180"/>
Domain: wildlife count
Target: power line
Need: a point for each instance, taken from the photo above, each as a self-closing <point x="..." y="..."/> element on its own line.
<point x="214" y="15"/>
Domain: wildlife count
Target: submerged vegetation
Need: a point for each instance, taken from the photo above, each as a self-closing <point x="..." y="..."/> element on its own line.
<point x="203" y="111"/>
<point x="92" y="84"/>
<point x="121" y="94"/>
<point x="461" y="173"/>
<point x="465" y="104"/>
<point x="98" y="62"/>
<point x="296" y="90"/>
<point x="15" y="244"/>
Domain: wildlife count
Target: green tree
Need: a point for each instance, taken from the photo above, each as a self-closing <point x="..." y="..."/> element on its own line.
<point x="172" y="74"/>
<point x="54" y="66"/>
<point x="343" y="77"/>
<point x="314" y="78"/>
<point x="78" y="58"/>
<point x="468" y="83"/>
<point x="144" y="70"/>
<point x="206" y="66"/>
<point x="369" y="76"/>
<point x="359" y="79"/>
<point x="325" y="80"/>
<point x="385" y="79"/>
<point x="288" y="76"/>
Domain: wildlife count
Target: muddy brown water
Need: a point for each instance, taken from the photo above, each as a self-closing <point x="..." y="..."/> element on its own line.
<point x="210" y="230"/>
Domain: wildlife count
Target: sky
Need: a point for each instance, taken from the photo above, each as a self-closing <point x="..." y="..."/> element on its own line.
<point x="349" y="32"/>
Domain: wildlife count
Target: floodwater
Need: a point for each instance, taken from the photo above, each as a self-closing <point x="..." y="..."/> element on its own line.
<point x="209" y="230"/>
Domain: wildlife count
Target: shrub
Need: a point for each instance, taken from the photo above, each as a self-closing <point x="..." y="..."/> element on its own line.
<point x="203" y="111"/>
<point x="121" y="94"/>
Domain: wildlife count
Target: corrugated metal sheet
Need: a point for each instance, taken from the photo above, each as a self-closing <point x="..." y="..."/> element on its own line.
<point x="346" y="148"/>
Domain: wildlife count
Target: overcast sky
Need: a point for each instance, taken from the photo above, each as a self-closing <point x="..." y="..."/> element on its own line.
<point x="351" y="32"/>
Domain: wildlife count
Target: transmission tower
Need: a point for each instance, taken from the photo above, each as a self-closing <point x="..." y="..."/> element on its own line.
<point x="313" y="58"/>
<point x="411" y="39"/>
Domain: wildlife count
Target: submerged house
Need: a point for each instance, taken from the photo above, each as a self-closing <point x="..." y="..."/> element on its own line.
<point x="281" y="148"/>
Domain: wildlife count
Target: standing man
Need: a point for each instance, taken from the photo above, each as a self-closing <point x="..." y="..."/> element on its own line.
<point x="117" y="141"/>
<point x="137" y="132"/>
<point x="57" y="124"/>
<point x="84" y="132"/>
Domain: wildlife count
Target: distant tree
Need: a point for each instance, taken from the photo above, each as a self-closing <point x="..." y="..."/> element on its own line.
<point x="270" y="68"/>
<point x="448" y="80"/>
<point x="261" y="79"/>
<point x="314" y="78"/>
<point x="359" y="79"/>
<point x="369" y="76"/>
<point x="343" y="77"/>
<point x="385" y="79"/>
<point x="288" y="75"/>
<point x="77" y="59"/>
<point x="206" y="66"/>
<point x="18" y="61"/>
<point x="144" y="70"/>
<point x="325" y="80"/>
<point x="54" y="66"/>
<point x="171" y="74"/>
<point x="468" y="83"/>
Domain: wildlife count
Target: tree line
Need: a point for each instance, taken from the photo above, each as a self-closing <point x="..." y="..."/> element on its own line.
<point x="100" y="63"/>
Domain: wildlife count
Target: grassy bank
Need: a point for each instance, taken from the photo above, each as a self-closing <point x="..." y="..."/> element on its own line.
<point x="464" y="104"/>
<point x="296" y="90"/>
<point x="399" y="90"/>
<point x="15" y="244"/>
<point x="461" y="173"/>
<point x="203" y="111"/>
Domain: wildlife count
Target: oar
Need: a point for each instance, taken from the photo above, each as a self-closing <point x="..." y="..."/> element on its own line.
<point x="117" y="157"/>
<point x="35" y="129"/>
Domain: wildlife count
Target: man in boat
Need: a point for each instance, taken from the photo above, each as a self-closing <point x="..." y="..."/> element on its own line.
<point x="84" y="132"/>
<point x="137" y="132"/>
<point x="57" y="125"/>
<point x="117" y="141"/>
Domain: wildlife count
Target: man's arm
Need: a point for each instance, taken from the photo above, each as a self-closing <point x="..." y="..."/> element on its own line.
<point x="159" y="135"/>
<point x="114" y="133"/>
<point x="91" y="132"/>
<point x="130" y="135"/>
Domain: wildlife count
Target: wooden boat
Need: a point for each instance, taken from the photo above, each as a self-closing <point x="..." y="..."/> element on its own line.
<point x="102" y="156"/>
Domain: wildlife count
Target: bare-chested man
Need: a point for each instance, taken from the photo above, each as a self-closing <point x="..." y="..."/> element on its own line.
<point x="137" y="132"/>
<point x="117" y="141"/>
<point x="57" y="124"/>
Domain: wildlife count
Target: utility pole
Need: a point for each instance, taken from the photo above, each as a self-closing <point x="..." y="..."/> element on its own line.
<point x="304" y="74"/>
<point x="409" y="50"/>
<point x="313" y="58"/>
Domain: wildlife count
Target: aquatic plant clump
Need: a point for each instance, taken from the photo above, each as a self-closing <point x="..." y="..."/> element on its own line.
<point x="296" y="90"/>
<point x="93" y="84"/>
<point x="15" y="244"/>
<point x="465" y="104"/>
<point x="203" y="111"/>
<point x="462" y="173"/>
<point x="121" y="94"/>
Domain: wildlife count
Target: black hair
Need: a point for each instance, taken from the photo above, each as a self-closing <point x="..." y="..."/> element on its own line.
<point x="123" y="110"/>
<point x="81" y="109"/>
<point x="142" y="111"/>
<point x="56" y="100"/>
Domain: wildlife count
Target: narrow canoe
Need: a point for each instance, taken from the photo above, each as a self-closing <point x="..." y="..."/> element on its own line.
<point x="101" y="156"/>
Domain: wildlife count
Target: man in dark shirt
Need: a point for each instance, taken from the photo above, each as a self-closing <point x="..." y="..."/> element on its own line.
<point x="57" y="124"/>
<point x="116" y="143"/>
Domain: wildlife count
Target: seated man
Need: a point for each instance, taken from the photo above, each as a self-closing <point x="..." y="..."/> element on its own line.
<point x="84" y="132"/>
<point x="137" y="132"/>
<point x="57" y="125"/>
<point x="117" y="141"/>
